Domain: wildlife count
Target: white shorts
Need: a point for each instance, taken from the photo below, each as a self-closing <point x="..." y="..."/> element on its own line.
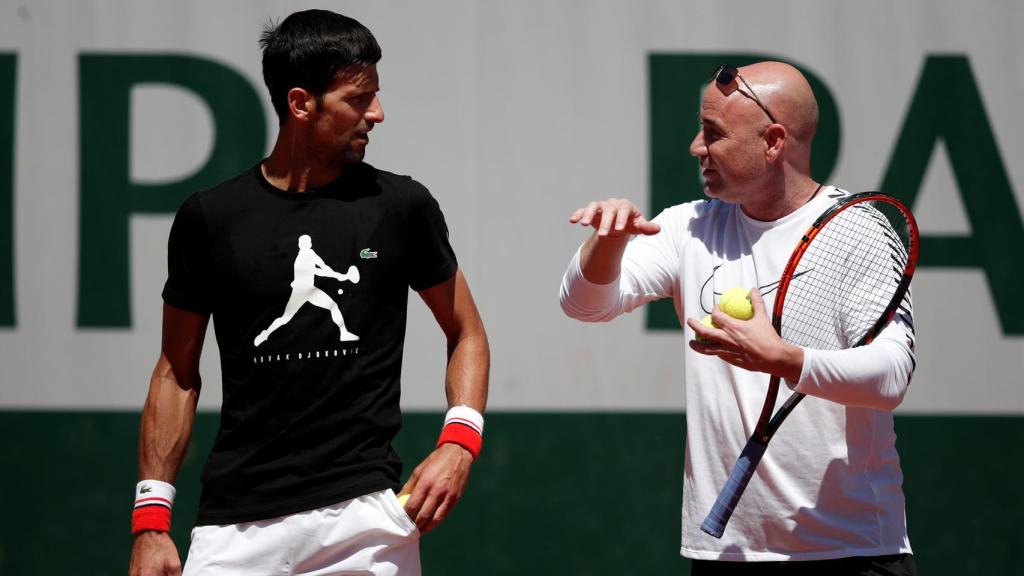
<point x="371" y="534"/>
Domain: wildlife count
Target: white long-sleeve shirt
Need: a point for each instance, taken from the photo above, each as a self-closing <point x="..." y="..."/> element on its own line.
<point x="830" y="484"/>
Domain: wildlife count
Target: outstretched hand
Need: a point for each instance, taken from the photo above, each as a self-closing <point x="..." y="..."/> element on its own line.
<point x="749" y="344"/>
<point x="436" y="485"/>
<point x="614" y="217"/>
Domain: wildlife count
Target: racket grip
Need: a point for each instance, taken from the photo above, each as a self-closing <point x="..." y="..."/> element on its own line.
<point x="718" y="517"/>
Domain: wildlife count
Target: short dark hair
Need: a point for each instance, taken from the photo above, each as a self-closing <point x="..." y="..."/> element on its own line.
<point x="307" y="49"/>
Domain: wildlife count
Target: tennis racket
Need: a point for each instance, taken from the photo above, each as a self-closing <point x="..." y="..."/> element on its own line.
<point x="844" y="282"/>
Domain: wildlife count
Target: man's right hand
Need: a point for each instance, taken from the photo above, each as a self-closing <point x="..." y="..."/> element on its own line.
<point x="614" y="217"/>
<point x="614" y="220"/>
<point x="154" y="554"/>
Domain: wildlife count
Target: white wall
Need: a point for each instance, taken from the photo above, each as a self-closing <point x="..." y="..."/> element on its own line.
<point x="513" y="114"/>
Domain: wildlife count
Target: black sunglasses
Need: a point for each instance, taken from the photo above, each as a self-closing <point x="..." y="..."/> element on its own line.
<point x="724" y="76"/>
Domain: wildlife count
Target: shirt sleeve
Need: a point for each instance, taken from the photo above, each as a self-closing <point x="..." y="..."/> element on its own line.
<point x="872" y="376"/>
<point x="189" y="268"/>
<point x="433" y="259"/>
<point x="649" y="272"/>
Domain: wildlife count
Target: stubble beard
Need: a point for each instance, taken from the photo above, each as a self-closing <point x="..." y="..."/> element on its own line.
<point x="351" y="156"/>
<point x="353" y="152"/>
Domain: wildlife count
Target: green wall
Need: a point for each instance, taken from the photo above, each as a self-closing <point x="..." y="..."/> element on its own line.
<point x="552" y="494"/>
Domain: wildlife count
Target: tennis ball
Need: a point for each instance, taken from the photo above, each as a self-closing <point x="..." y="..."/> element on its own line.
<point x="736" y="303"/>
<point x="707" y="321"/>
<point x="403" y="498"/>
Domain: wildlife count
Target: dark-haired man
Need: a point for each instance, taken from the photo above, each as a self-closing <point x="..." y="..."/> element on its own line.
<point x="302" y="476"/>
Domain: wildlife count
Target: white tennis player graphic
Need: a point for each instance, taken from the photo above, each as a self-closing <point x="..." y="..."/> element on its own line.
<point x="307" y="266"/>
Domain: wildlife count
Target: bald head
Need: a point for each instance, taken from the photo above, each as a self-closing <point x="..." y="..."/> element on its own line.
<point x="785" y="91"/>
<point x="746" y="159"/>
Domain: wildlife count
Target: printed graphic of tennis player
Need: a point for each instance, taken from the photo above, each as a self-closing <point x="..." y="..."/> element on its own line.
<point x="307" y="266"/>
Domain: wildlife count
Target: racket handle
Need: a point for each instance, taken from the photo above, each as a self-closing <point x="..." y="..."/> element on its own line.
<point x="718" y="517"/>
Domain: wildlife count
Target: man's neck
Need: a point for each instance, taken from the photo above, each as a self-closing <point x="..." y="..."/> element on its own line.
<point x="776" y="202"/>
<point x="289" y="169"/>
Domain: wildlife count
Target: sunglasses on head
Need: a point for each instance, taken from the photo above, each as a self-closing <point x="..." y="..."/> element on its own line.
<point x="724" y="76"/>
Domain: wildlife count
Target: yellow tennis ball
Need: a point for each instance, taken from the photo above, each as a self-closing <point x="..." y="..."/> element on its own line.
<point x="403" y="498"/>
<point x="707" y="321"/>
<point x="736" y="303"/>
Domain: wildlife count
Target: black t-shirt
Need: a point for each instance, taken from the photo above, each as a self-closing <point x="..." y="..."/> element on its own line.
<point x="310" y="347"/>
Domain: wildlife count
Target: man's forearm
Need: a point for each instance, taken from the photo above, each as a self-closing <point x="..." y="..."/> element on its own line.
<point x="469" y="361"/>
<point x="167" y="420"/>
<point x="601" y="258"/>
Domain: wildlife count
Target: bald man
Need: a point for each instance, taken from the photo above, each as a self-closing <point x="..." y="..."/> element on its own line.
<point x="827" y="497"/>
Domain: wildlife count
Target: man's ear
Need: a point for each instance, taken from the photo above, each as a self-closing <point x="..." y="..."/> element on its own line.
<point x="301" y="103"/>
<point x="775" y="137"/>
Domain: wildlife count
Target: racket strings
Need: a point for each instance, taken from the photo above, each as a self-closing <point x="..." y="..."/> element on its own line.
<point x="846" y="278"/>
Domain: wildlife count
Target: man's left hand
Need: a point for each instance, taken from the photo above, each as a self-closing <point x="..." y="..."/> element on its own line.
<point x="749" y="344"/>
<point x="436" y="485"/>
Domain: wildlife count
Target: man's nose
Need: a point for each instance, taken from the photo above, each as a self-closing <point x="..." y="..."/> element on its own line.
<point x="697" y="147"/>
<point x="375" y="113"/>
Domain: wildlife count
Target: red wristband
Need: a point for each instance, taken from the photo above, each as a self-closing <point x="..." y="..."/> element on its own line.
<point x="154" y="517"/>
<point x="462" y="435"/>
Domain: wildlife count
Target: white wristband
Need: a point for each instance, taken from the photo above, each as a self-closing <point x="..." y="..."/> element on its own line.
<point x="466" y="416"/>
<point x="154" y="493"/>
